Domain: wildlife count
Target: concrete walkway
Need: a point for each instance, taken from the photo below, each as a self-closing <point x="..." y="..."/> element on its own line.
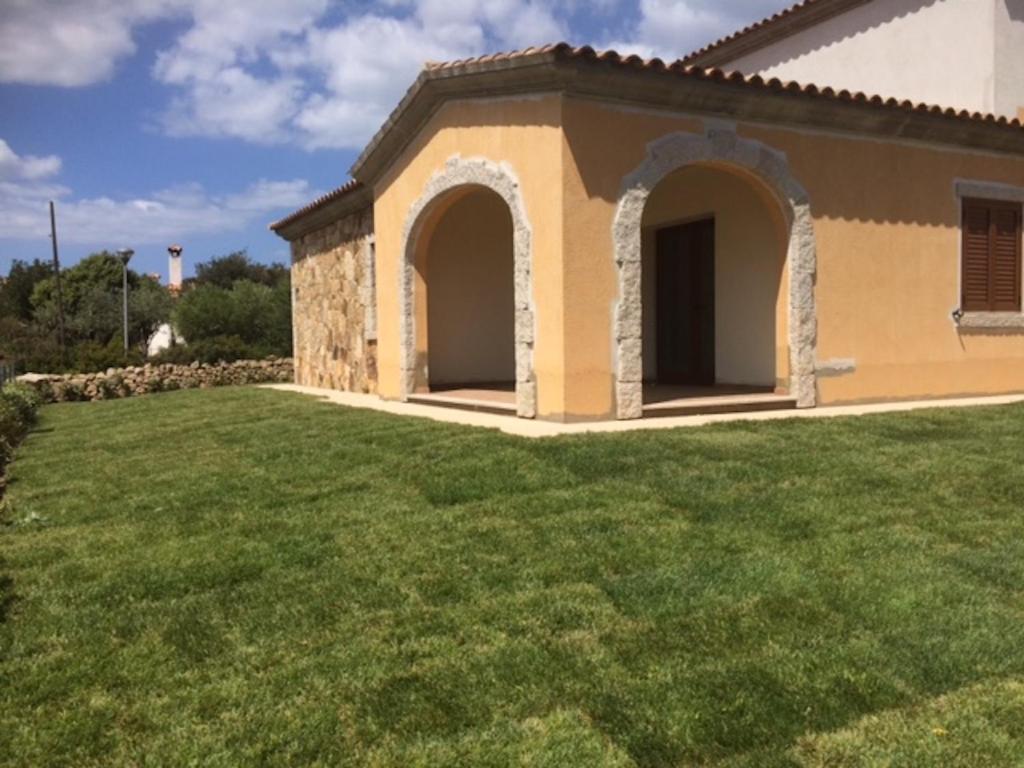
<point x="537" y="428"/>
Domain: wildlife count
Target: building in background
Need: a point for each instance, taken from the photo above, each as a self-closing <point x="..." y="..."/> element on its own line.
<point x="165" y="337"/>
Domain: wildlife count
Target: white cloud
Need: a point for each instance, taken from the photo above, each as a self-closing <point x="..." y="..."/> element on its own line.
<point x="360" y="85"/>
<point x="13" y="166"/>
<point x="670" y="29"/>
<point x="233" y="103"/>
<point x="329" y="83"/>
<point x="326" y="84"/>
<point x="159" y="217"/>
<point x="325" y="73"/>
<point x="55" y="42"/>
<point x="214" y="66"/>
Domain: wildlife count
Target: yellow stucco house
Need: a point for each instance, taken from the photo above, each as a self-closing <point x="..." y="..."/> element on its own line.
<point x="572" y="235"/>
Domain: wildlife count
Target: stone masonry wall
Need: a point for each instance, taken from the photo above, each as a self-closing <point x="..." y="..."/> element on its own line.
<point x="333" y="306"/>
<point x="145" y="379"/>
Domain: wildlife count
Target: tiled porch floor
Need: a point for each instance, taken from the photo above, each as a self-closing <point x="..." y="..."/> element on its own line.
<point x="499" y="398"/>
<point x="672" y="400"/>
<point x="659" y="399"/>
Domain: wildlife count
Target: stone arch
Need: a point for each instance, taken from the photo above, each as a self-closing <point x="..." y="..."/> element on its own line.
<point x="725" y="148"/>
<point x="500" y="179"/>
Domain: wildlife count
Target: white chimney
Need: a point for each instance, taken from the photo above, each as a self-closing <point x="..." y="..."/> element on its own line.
<point x="174" y="268"/>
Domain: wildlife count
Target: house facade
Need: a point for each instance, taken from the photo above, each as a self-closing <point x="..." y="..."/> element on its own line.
<point x="593" y="236"/>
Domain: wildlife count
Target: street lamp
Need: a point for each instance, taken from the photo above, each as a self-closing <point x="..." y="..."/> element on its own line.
<point x="125" y="254"/>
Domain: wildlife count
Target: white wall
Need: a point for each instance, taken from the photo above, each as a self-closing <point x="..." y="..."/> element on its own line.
<point x="935" y="51"/>
<point x="1009" y="45"/>
<point x="749" y="259"/>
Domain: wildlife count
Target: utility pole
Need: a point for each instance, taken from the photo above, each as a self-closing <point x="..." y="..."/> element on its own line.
<point x="125" y="254"/>
<point x="56" y="280"/>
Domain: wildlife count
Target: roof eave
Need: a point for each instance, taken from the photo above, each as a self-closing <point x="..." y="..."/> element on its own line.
<point x="319" y="215"/>
<point x="692" y="91"/>
<point x="434" y="86"/>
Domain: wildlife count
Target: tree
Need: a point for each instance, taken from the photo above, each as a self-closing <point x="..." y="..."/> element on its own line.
<point x="149" y="306"/>
<point x="225" y="271"/>
<point x="234" y="308"/>
<point x="30" y="346"/>
<point x="16" y="290"/>
<point x="97" y="273"/>
<point x="93" y="302"/>
<point x="257" y="316"/>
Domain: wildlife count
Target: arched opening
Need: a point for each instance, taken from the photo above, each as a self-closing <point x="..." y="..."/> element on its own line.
<point x="714" y="299"/>
<point x="458" y="178"/>
<point x="766" y="175"/>
<point x="465" y="299"/>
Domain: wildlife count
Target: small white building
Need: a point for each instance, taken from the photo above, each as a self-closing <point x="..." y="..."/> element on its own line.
<point x="165" y="336"/>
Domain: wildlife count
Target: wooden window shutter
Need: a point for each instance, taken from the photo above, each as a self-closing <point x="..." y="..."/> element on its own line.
<point x="1006" y="259"/>
<point x="991" y="256"/>
<point x="974" y="281"/>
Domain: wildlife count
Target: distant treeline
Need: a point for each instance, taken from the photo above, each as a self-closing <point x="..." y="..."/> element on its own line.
<point x="232" y="309"/>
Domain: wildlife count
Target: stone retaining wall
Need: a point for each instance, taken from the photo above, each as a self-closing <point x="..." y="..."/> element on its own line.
<point x="334" y="305"/>
<point x="143" y="379"/>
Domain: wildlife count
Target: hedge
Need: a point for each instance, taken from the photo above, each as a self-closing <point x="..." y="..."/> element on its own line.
<point x="19" y="407"/>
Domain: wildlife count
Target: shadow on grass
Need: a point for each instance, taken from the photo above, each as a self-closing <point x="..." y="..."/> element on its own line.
<point x="7" y="596"/>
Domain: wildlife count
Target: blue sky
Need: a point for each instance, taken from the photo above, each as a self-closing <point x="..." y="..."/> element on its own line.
<point x="200" y="121"/>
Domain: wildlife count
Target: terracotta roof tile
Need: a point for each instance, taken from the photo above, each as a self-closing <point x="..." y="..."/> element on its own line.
<point x="349" y="187"/>
<point x="681" y="68"/>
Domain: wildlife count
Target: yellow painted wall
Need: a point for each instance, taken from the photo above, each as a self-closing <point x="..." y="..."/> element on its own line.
<point x="469" y="292"/>
<point x="523" y="133"/>
<point x="597" y="157"/>
<point x="886" y="222"/>
<point x="887" y="228"/>
<point x="749" y="259"/>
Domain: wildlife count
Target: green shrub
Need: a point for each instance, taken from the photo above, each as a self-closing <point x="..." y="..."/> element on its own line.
<point x="215" y="349"/>
<point x="34" y="348"/>
<point x="24" y="399"/>
<point x="93" y="357"/>
<point x="257" y="315"/>
<point x="177" y="354"/>
<point x="12" y="422"/>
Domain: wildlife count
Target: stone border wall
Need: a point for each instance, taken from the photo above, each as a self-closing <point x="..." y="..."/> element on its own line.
<point x="722" y="147"/>
<point x="141" y="380"/>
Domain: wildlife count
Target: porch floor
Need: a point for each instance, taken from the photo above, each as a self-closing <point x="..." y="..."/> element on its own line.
<point x="659" y="399"/>
<point x="676" y="400"/>
<point x="498" y="398"/>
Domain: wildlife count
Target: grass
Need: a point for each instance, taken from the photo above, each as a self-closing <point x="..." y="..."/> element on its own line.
<point x="246" y="577"/>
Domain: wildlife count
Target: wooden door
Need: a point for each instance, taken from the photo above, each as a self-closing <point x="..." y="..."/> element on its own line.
<point x="685" y="267"/>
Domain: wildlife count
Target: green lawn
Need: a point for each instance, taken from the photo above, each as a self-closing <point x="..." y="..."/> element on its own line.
<point x="245" y="577"/>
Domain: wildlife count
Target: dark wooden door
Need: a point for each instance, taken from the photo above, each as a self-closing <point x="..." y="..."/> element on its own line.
<point x="685" y="265"/>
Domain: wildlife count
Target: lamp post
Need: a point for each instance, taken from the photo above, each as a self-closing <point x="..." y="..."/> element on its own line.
<point x="125" y="254"/>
